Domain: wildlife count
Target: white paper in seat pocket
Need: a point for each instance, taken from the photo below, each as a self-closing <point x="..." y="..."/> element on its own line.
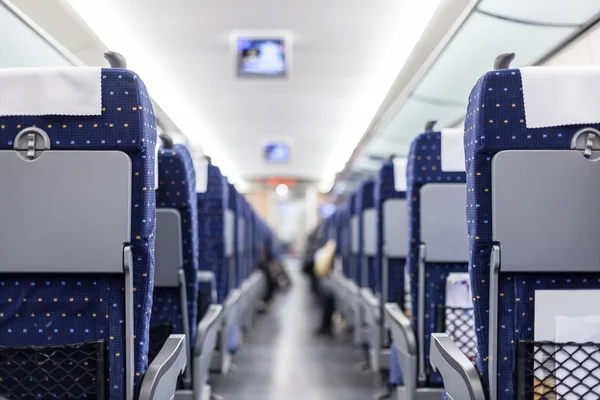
<point x="458" y="290"/>
<point x="578" y="370"/>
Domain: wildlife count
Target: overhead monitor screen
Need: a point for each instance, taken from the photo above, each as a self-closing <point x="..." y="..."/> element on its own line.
<point x="261" y="57"/>
<point x="277" y="153"/>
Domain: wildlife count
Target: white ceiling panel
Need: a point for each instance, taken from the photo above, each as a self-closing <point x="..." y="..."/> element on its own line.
<point x="340" y="48"/>
<point x="414" y="115"/>
<point x="543" y="11"/>
<point x="472" y="51"/>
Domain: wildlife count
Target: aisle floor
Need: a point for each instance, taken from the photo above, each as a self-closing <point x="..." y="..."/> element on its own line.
<point x="282" y="359"/>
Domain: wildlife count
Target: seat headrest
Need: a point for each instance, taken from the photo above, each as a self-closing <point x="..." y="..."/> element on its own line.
<point x="452" y="150"/>
<point x="365" y="196"/>
<point x="400" y="184"/>
<point x="351" y="202"/>
<point x="558" y="96"/>
<point x="73" y="91"/>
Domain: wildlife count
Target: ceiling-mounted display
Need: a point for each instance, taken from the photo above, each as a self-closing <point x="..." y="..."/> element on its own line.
<point x="277" y="152"/>
<point x="261" y="57"/>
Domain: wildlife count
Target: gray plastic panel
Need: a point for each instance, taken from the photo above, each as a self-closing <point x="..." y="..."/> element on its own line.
<point x="461" y="379"/>
<point x="161" y="378"/>
<point x="395" y="228"/>
<point x="354" y="236"/>
<point x="168" y="248"/>
<point x="241" y="234"/>
<point x="65" y="212"/>
<point x="370" y="231"/>
<point x="229" y="232"/>
<point x="444" y="222"/>
<point x="544" y="218"/>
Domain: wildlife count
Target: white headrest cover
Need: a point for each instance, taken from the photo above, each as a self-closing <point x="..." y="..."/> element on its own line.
<point x="51" y="91"/>
<point x="201" y="168"/>
<point x="400" y="184"/>
<point x="452" y="150"/>
<point x="556" y="96"/>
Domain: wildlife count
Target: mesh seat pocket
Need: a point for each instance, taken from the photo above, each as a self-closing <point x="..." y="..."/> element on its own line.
<point x="72" y="371"/>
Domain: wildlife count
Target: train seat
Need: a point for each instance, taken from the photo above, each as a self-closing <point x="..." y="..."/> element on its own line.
<point x="176" y="294"/>
<point x="216" y="233"/>
<point x="436" y="197"/>
<point x="392" y="247"/>
<point x="533" y="254"/>
<point x="77" y="238"/>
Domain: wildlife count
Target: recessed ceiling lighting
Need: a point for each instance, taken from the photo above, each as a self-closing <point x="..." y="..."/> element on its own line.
<point x="282" y="190"/>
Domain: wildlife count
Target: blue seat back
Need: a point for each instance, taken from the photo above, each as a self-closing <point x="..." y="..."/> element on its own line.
<point x="249" y="238"/>
<point x="385" y="191"/>
<point x="234" y="205"/>
<point x="42" y="310"/>
<point x="212" y="206"/>
<point x="177" y="189"/>
<point x="424" y="167"/>
<point x="369" y="273"/>
<point x="496" y="122"/>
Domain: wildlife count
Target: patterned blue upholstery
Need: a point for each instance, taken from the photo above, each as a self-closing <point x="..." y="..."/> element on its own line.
<point x="424" y="166"/>
<point x="344" y="237"/>
<point x="176" y="189"/>
<point x="384" y="190"/>
<point x="365" y="200"/>
<point x="352" y="273"/>
<point x="60" y="309"/>
<point x="248" y="238"/>
<point x="496" y="122"/>
<point x="211" y="229"/>
<point x="241" y="244"/>
<point x="233" y="204"/>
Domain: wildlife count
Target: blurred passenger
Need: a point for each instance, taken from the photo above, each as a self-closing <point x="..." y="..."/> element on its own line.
<point x="277" y="277"/>
<point x="323" y="269"/>
<point x="312" y="245"/>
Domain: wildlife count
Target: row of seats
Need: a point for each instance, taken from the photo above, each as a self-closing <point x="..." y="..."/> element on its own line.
<point x="495" y="302"/>
<point x="118" y="280"/>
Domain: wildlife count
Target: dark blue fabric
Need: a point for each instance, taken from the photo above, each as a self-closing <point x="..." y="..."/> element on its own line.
<point x="353" y="260"/>
<point x="395" y="378"/>
<point x="338" y="232"/>
<point x="496" y="122"/>
<point x="241" y="212"/>
<point x="233" y="204"/>
<point x="385" y="190"/>
<point x="177" y="189"/>
<point x="248" y="238"/>
<point x="424" y="166"/>
<point x="54" y="310"/>
<point x="211" y="229"/>
<point x="363" y="201"/>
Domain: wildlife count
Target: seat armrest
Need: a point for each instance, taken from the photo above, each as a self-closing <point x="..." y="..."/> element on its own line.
<point x="209" y="324"/>
<point x="405" y="345"/>
<point x="461" y="379"/>
<point x="206" y="340"/>
<point x="371" y="304"/>
<point x="209" y="277"/>
<point x="160" y="381"/>
<point x="230" y="308"/>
